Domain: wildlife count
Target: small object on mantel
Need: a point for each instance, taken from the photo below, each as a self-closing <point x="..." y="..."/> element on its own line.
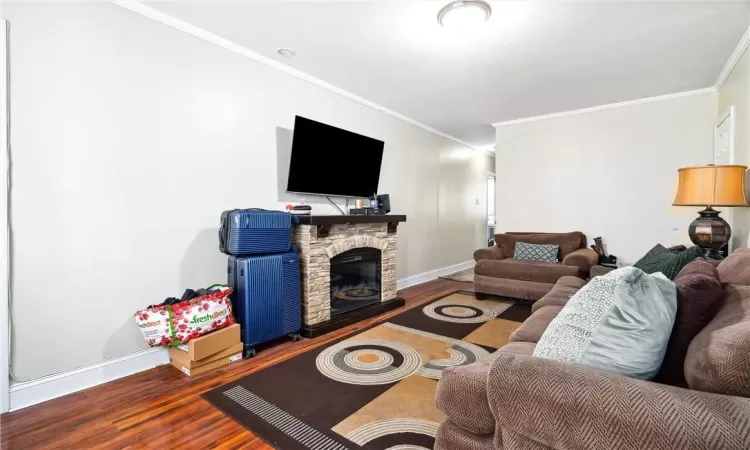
<point x="299" y="209"/>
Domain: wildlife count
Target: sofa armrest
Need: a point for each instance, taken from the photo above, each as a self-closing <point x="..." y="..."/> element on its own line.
<point x="564" y="406"/>
<point x="493" y="252"/>
<point x="583" y="258"/>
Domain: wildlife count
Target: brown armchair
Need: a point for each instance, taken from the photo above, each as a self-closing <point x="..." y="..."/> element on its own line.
<point x="497" y="273"/>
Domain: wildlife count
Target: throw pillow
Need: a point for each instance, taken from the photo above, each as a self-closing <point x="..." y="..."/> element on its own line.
<point x="619" y="323"/>
<point x="699" y="295"/>
<point x="651" y="259"/>
<point x="666" y="262"/>
<point x="536" y="252"/>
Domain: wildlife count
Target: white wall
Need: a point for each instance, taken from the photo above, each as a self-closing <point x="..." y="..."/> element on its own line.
<point x="736" y="92"/>
<point x="129" y="138"/>
<point x="611" y="173"/>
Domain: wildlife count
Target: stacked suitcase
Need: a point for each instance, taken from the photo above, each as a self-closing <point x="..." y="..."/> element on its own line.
<point x="263" y="272"/>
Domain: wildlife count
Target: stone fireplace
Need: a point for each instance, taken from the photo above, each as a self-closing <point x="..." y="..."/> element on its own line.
<point x="348" y="266"/>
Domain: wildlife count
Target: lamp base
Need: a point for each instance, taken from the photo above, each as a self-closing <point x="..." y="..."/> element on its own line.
<point x="710" y="232"/>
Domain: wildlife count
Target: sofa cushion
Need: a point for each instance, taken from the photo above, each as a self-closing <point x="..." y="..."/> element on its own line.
<point x="735" y="269"/>
<point x="536" y="252"/>
<point x="462" y="391"/>
<point x="659" y="259"/>
<point x="560" y="293"/>
<point x="524" y="270"/>
<point x="619" y="323"/>
<point x="699" y="295"/>
<point x="531" y="329"/>
<point x="718" y="359"/>
<point x="568" y="242"/>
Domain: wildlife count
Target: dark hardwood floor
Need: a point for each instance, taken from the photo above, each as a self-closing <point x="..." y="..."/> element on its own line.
<point x="162" y="408"/>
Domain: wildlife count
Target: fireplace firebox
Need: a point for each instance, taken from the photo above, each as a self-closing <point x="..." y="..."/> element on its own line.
<point x="355" y="280"/>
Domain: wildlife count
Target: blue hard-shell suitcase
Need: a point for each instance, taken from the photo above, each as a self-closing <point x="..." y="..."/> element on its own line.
<point x="255" y="231"/>
<point x="266" y="297"/>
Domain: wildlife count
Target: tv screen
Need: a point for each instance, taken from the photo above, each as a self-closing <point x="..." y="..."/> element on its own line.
<point x="330" y="161"/>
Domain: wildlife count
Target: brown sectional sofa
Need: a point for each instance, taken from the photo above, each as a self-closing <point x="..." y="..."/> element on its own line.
<point x="512" y="400"/>
<point x="497" y="273"/>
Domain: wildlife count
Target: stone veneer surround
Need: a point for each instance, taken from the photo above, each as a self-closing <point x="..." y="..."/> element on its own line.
<point x="315" y="261"/>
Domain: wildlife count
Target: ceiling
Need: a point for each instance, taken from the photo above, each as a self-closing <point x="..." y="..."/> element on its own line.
<point x="529" y="59"/>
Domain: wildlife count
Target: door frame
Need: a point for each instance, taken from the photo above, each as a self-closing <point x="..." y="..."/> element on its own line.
<point x="4" y="216"/>
<point x="730" y="115"/>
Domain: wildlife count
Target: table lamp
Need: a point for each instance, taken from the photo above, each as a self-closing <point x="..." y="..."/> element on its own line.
<point x="711" y="186"/>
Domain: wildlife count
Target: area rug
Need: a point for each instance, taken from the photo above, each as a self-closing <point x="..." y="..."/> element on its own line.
<point x="375" y="389"/>
<point x="464" y="275"/>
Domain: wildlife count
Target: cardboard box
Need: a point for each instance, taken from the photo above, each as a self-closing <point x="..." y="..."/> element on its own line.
<point x="221" y="362"/>
<point x="212" y="343"/>
<point x="182" y="360"/>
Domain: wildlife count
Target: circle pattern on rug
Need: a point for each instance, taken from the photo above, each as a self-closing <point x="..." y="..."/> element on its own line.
<point x="368" y="362"/>
<point x="457" y="313"/>
<point x="368" y="359"/>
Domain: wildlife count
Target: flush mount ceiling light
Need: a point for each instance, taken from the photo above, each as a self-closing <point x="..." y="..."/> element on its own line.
<point x="286" y="52"/>
<point x="464" y="14"/>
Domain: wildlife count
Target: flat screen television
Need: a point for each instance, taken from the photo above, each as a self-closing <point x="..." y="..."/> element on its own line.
<point x="327" y="160"/>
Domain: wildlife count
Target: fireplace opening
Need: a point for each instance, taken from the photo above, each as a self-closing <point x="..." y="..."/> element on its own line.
<point x="355" y="279"/>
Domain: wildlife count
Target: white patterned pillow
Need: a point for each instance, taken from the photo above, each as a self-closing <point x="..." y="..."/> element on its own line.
<point x="536" y="252"/>
<point x="619" y="323"/>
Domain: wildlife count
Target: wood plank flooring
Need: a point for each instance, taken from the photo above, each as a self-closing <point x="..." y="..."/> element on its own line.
<point x="162" y="408"/>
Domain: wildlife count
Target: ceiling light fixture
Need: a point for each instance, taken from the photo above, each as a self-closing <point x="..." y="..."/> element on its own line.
<point x="286" y="52"/>
<point x="464" y="14"/>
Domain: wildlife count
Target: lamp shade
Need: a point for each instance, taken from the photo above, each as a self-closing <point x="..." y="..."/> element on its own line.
<point x="711" y="186"/>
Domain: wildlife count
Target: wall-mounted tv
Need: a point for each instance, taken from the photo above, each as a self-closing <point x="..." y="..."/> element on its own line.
<point x="327" y="160"/>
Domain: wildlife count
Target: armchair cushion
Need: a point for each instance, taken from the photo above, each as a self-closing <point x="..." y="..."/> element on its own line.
<point x="570" y="407"/>
<point x="524" y="270"/>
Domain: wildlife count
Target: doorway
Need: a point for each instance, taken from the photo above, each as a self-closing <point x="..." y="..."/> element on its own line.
<point x="490" y="209"/>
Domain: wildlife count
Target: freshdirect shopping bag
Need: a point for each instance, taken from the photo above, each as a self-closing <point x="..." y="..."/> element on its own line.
<point x="179" y="323"/>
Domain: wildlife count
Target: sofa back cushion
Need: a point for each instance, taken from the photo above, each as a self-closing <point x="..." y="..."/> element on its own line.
<point x="568" y="242"/>
<point x="735" y="269"/>
<point x="699" y="295"/>
<point x="718" y="359"/>
<point x="618" y="323"/>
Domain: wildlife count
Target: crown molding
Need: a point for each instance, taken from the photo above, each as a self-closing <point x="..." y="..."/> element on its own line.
<point x="734" y="58"/>
<point x="226" y="44"/>
<point x="710" y="90"/>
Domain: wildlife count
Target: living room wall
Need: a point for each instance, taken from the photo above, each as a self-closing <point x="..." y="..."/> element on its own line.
<point x="609" y="173"/>
<point x="736" y="92"/>
<point x="128" y="140"/>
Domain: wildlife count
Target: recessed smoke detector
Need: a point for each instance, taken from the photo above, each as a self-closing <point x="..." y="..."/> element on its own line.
<point x="286" y="52"/>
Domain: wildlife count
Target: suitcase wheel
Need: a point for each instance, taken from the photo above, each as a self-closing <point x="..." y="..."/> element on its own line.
<point x="295" y="337"/>
<point x="249" y="352"/>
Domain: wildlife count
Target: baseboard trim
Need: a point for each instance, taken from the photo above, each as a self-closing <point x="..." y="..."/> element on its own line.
<point x="29" y="393"/>
<point x="433" y="274"/>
